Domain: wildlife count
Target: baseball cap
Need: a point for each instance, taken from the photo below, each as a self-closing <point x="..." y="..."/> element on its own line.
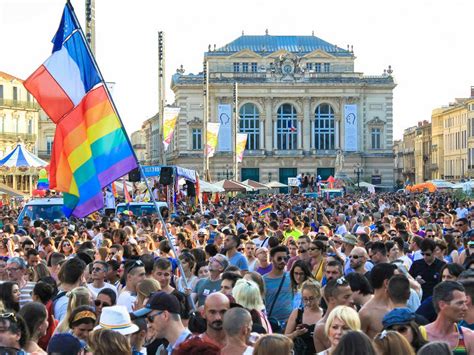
<point x="398" y="316"/>
<point x="64" y="343"/>
<point x="214" y="222"/>
<point x="203" y="231"/>
<point x="349" y="239"/>
<point x="288" y="221"/>
<point x="160" y="301"/>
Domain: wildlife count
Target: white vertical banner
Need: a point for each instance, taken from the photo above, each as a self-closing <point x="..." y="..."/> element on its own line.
<point x="212" y="138"/>
<point x="224" y="115"/>
<point x="350" y="128"/>
<point x="241" y="142"/>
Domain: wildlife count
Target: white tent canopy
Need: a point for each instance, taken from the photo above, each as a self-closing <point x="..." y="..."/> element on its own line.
<point x="208" y="187"/>
<point x="275" y="184"/>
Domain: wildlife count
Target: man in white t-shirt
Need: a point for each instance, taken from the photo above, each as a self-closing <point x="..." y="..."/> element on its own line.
<point x="134" y="273"/>
<point x="99" y="273"/>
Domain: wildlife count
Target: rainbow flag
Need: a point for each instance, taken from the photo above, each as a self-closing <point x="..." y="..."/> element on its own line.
<point x="91" y="148"/>
<point x="265" y="209"/>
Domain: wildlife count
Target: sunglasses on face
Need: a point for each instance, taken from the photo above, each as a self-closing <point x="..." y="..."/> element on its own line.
<point x="151" y="318"/>
<point x="354" y="257"/>
<point x="281" y="258"/>
<point x="99" y="303"/>
<point x="426" y="254"/>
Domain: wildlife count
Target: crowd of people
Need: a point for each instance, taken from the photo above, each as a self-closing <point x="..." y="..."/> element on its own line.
<point x="361" y="274"/>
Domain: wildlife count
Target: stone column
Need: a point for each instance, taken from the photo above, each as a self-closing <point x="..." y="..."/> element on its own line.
<point x="306" y="125"/>
<point x="275" y="134"/>
<point x="262" y="134"/>
<point x="268" y="125"/>
<point x="299" y="134"/>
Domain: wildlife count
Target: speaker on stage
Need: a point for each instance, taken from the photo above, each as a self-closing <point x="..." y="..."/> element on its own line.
<point x="190" y="189"/>
<point x="166" y="175"/>
<point x="134" y="175"/>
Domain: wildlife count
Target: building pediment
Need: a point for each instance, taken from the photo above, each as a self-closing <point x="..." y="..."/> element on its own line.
<point x="246" y="53"/>
<point x="280" y="53"/>
<point x="376" y="121"/>
<point x="319" y="54"/>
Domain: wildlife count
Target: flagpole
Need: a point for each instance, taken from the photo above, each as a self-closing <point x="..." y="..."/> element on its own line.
<point x="205" y="118"/>
<point x="168" y="235"/>
<point x="234" y="126"/>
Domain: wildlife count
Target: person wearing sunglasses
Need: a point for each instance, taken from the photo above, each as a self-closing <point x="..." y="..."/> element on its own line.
<point x="162" y="314"/>
<point x="106" y="298"/>
<point x="279" y="294"/>
<point x="134" y="273"/>
<point x="427" y="270"/>
<point x="99" y="273"/>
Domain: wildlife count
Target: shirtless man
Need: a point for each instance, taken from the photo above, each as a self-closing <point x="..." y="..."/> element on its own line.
<point x="373" y="311"/>
<point x="336" y="293"/>
<point x="450" y="301"/>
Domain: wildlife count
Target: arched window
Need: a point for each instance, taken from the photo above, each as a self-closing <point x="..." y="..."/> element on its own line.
<point x="324" y="132"/>
<point x="250" y="124"/>
<point x="286" y="127"/>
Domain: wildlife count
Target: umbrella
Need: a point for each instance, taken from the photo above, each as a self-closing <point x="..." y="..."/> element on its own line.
<point x="20" y="157"/>
<point x="275" y="184"/>
<point x="233" y="186"/>
<point x="256" y="185"/>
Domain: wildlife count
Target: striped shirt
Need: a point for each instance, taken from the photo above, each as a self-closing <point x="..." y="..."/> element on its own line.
<point x="25" y="293"/>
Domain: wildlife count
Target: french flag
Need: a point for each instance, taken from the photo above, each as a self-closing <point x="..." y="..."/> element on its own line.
<point x="292" y="128"/>
<point x="68" y="74"/>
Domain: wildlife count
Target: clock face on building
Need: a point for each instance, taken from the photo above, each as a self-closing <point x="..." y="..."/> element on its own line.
<point x="287" y="68"/>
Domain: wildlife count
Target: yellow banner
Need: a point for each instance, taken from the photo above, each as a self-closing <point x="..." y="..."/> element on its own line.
<point x="241" y="142"/>
<point x="211" y="139"/>
<point x="170" y="116"/>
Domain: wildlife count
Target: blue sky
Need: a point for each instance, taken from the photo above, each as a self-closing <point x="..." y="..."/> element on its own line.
<point x="427" y="43"/>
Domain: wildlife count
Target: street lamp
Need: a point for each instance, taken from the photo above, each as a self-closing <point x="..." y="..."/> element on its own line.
<point x="227" y="171"/>
<point x="358" y="171"/>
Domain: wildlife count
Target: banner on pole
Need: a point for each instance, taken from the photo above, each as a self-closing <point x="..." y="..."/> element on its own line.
<point x="241" y="142"/>
<point x="211" y="139"/>
<point x="350" y="128"/>
<point x="170" y="116"/>
<point x="224" y="114"/>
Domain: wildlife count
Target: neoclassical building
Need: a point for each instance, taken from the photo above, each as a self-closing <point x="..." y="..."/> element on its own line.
<point x="19" y="115"/>
<point x="299" y="100"/>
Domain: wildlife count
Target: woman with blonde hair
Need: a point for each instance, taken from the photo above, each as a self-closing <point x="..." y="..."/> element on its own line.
<point x="80" y="296"/>
<point x="302" y="321"/>
<point x="392" y="343"/>
<point x="247" y="294"/>
<point x="341" y="320"/>
<point x="273" y="344"/>
<point x="106" y="341"/>
<point x="144" y="289"/>
<point x="102" y="254"/>
<point x="146" y="244"/>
